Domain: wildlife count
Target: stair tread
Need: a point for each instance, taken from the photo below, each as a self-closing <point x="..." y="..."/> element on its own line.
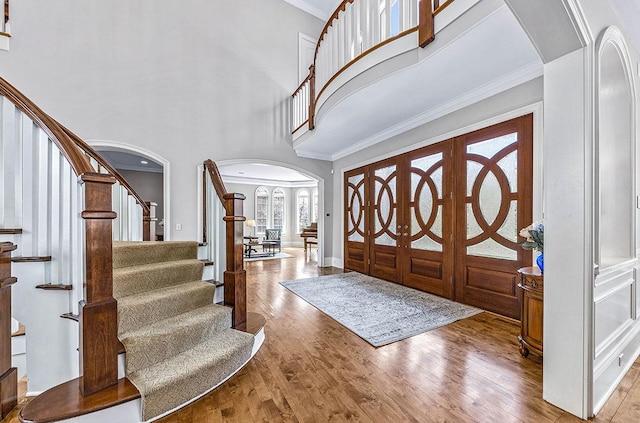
<point x="183" y="377"/>
<point x="172" y="323"/>
<point x="141" y="278"/>
<point x="217" y="347"/>
<point x="138" y="310"/>
<point x="156" y="342"/>
<point x="133" y="253"/>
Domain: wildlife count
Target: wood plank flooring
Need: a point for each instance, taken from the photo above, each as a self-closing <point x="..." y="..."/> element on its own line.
<point x="312" y="369"/>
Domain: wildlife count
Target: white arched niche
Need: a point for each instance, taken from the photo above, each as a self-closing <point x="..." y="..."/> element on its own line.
<point x="615" y="338"/>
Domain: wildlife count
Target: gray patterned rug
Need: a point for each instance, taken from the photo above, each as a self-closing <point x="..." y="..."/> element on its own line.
<point x="378" y="311"/>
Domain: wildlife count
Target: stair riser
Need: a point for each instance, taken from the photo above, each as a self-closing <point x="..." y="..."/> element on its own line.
<point x="133" y="317"/>
<point x="136" y="254"/>
<point x="133" y="280"/>
<point x="186" y="384"/>
<point x="172" y="342"/>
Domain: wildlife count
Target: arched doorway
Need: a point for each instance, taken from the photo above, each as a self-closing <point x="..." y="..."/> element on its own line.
<point x="148" y="174"/>
<point x="302" y="192"/>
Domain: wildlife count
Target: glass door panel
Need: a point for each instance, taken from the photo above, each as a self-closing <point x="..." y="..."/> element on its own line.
<point x="384" y="217"/>
<point x="356" y="251"/>
<point x="494" y="169"/>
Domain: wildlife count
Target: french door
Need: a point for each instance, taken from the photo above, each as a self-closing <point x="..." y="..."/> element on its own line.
<point x="445" y="218"/>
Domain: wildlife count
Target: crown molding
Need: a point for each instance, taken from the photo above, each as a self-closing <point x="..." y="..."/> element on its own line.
<point x="268" y="182"/>
<point x="519" y="76"/>
<point x="303" y="5"/>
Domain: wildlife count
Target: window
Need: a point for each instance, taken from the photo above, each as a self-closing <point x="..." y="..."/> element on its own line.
<point x="278" y="209"/>
<point x="302" y="204"/>
<point x="262" y="209"/>
<point x="314" y="215"/>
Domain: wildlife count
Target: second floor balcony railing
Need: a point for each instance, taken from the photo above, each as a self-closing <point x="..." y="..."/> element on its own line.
<point x="355" y="29"/>
<point x="4" y="27"/>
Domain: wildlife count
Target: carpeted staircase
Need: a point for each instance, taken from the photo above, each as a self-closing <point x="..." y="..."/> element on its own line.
<point x="178" y="343"/>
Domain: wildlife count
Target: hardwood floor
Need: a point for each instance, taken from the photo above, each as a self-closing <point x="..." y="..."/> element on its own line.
<point x="312" y="369"/>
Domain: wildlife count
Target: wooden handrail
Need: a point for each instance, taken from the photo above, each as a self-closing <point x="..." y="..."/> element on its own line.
<point x="79" y="162"/>
<point x="427" y="11"/>
<point x="216" y="179"/>
<point x="301" y="86"/>
<point x="235" y="277"/>
<point x="91" y="152"/>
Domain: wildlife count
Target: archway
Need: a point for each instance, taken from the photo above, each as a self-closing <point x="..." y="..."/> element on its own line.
<point x="145" y="159"/>
<point x="319" y="185"/>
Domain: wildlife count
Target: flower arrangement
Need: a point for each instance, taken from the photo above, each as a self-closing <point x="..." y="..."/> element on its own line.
<point x="534" y="234"/>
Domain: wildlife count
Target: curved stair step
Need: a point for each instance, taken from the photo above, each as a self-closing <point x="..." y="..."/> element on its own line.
<point x="136" y="279"/>
<point x="161" y="340"/>
<point x="139" y="310"/>
<point x="65" y="401"/>
<point x="136" y="253"/>
<point x="172" y="382"/>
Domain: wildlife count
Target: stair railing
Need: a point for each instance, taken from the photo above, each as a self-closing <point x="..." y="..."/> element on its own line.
<point x="235" y="291"/>
<point x="4" y="28"/>
<point x="356" y="29"/>
<point x="98" y="349"/>
<point x="126" y="226"/>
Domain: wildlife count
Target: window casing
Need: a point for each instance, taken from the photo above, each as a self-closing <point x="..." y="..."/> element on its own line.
<point x="262" y="209"/>
<point x="278" y="209"/>
<point x="314" y="214"/>
<point x="302" y="207"/>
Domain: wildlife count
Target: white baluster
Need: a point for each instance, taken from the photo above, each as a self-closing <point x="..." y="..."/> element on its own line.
<point x="29" y="182"/>
<point x="42" y="166"/>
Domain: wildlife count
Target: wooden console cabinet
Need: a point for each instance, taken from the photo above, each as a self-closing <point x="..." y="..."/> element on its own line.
<point x="531" y="284"/>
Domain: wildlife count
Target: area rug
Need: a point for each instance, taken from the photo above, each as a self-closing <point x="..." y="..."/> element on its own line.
<point x="276" y="256"/>
<point x="378" y="311"/>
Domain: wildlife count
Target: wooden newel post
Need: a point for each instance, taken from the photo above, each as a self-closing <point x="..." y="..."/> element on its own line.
<point x="426" y="31"/>
<point x="98" y="310"/>
<point x="312" y="97"/>
<point x="149" y="222"/>
<point x="235" y="277"/>
<point x="8" y="374"/>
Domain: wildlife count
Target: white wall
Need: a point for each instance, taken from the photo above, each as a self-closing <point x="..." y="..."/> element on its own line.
<point x="188" y="81"/>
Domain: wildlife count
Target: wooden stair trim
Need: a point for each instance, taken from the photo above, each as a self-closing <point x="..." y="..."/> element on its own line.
<point x="10" y="231"/>
<point x="215" y="282"/>
<point x="254" y="324"/>
<point x="71" y="316"/>
<point x="65" y="401"/>
<point x="33" y="259"/>
<point x="55" y="287"/>
<point x="207" y="262"/>
<point x="7" y="281"/>
<point x="20" y="332"/>
<point x="5" y="247"/>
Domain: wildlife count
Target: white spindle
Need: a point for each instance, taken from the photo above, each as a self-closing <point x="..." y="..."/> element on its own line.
<point x="66" y="221"/>
<point x="42" y="166"/>
<point x="348" y="35"/>
<point x="56" y="205"/>
<point x="29" y="179"/>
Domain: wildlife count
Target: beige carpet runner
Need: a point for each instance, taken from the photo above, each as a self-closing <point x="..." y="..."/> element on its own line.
<point x="178" y="343"/>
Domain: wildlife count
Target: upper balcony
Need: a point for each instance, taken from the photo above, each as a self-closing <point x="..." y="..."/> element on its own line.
<point x="382" y="67"/>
